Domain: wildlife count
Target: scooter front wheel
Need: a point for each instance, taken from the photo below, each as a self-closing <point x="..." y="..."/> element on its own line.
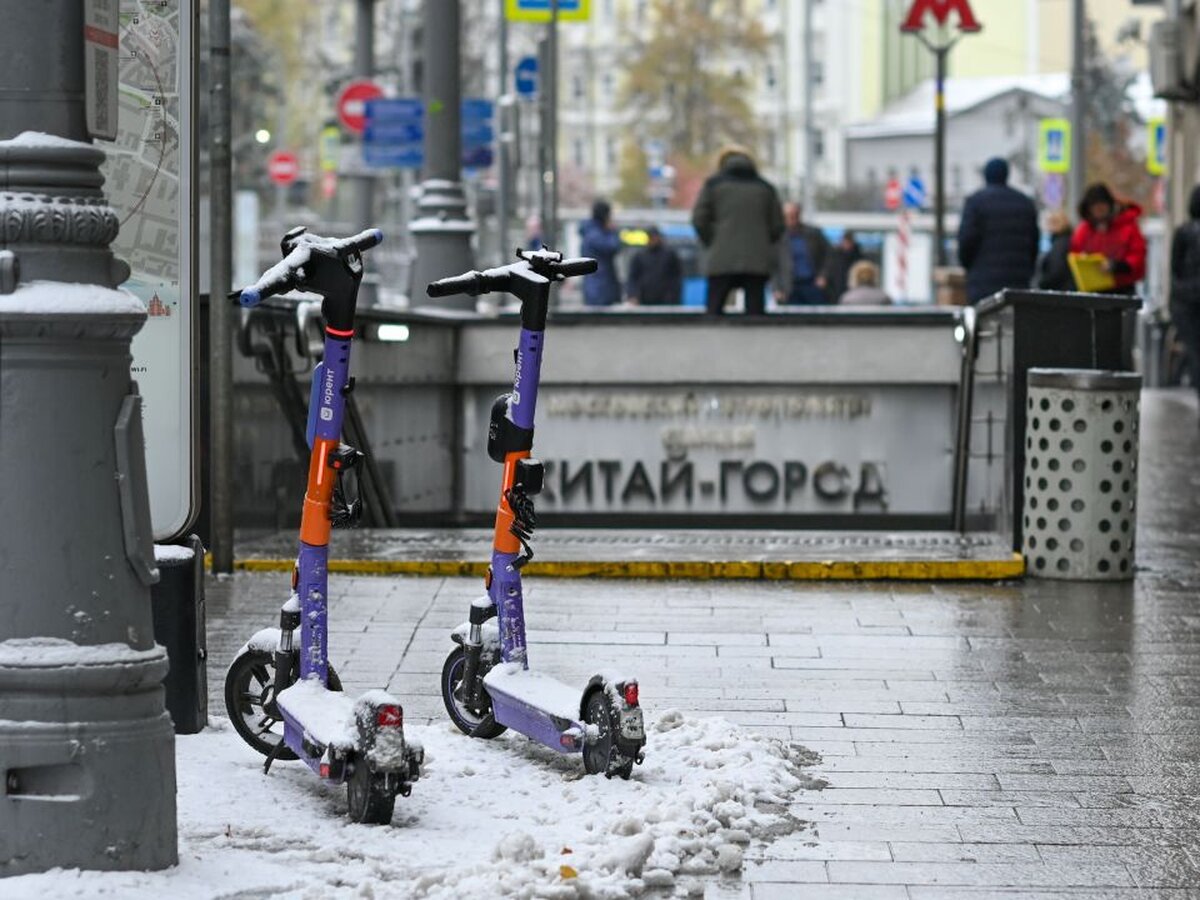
<point x="368" y="795"/>
<point x="248" y="685"/>
<point x="464" y="719"/>
<point x="600" y="754"/>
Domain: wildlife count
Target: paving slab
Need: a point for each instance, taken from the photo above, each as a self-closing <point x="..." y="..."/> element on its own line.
<point x="1035" y="739"/>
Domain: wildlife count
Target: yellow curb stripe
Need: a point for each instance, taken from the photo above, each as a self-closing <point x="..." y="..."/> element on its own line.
<point x="831" y="570"/>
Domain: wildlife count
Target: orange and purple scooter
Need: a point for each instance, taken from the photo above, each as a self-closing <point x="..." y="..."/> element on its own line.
<point x="487" y="684"/>
<point x="272" y="681"/>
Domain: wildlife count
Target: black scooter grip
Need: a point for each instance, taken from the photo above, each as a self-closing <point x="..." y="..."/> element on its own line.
<point x="580" y="265"/>
<point x="472" y="284"/>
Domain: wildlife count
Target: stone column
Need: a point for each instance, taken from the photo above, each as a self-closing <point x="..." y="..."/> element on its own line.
<point x="86" y="748"/>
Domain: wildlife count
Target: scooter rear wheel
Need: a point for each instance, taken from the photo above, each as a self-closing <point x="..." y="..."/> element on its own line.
<point x="600" y="755"/>
<point x="464" y="719"/>
<point x="247" y="687"/>
<point x="368" y="796"/>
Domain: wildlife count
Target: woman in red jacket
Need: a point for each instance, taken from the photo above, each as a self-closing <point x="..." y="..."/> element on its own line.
<point x="1111" y="229"/>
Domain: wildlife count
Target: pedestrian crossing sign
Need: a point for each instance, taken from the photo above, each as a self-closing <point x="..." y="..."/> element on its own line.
<point x="541" y="10"/>
<point x="1054" y="146"/>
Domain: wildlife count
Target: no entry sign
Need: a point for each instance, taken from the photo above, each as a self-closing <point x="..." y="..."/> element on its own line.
<point x="283" y="167"/>
<point x="351" y="106"/>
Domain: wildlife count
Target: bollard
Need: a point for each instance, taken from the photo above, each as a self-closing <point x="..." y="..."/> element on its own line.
<point x="179" y="626"/>
<point x="1081" y="452"/>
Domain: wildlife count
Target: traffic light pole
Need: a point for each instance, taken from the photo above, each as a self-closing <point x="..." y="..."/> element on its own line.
<point x="939" y="156"/>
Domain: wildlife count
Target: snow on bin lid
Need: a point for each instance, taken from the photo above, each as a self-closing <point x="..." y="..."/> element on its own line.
<point x="1085" y="379"/>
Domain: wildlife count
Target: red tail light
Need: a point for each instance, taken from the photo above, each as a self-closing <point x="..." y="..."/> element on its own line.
<point x="324" y="770"/>
<point x="631" y="693"/>
<point x="389" y="717"/>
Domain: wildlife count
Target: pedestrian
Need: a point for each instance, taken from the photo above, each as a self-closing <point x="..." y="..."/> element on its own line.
<point x="533" y="232"/>
<point x="1109" y="227"/>
<point x="997" y="236"/>
<point x="1054" y="270"/>
<point x="1185" y="286"/>
<point x="803" y="256"/>
<point x="602" y="243"/>
<point x="738" y="220"/>
<point x="655" y="274"/>
<point x="864" y="286"/>
<point x="842" y="257"/>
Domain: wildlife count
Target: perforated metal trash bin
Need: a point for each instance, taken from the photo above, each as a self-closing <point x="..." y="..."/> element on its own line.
<point x="1081" y="452"/>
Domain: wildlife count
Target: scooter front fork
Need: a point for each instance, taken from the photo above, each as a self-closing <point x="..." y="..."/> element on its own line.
<point x="472" y="682"/>
<point x="285" y="655"/>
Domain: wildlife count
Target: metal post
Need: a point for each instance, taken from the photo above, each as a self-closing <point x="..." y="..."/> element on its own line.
<point x="87" y="756"/>
<point x="503" y="162"/>
<point x="442" y="232"/>
<point x="364" y="67"/>
<point x="1079" y="100"/>
<point x="220" y="313"/>
<point x="939" y="158"/>
<point x="810" y="133"/>
<point x="549" y="88"/>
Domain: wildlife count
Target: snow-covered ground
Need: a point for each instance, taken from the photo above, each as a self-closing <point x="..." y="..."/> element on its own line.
<point x="504" y="818"/>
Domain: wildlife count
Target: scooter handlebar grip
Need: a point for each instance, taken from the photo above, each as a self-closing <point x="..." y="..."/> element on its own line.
<point x="580" y="265"/>
<point x="472" y="284"/>
<point x="364" y="240"/>
<point x="265" y="287"/>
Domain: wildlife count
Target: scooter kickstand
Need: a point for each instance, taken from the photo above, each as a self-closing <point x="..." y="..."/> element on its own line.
<point x="272" y="756"/>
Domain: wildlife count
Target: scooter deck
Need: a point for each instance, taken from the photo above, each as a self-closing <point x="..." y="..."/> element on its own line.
<point x="326" y="717"/>
<point x="536" y="705"/>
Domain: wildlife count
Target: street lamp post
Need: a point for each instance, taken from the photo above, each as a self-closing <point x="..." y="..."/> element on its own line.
<point x="442" y="232"/>
<point x="86" y="749"/>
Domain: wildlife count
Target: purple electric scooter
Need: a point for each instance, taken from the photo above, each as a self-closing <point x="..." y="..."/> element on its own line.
<point x="360" y="742"/>
<point x="487" y="684"/>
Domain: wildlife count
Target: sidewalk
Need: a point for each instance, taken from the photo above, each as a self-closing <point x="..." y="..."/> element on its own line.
<point x="1030" y="738"/>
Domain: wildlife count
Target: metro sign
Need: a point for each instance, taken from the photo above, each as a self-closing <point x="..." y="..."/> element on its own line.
<point x="941" y="10"/>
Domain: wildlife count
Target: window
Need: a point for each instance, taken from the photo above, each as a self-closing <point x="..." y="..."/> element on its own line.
<point x="577" y="87"/>
<point x="577" y="152"/>
<point x="770" y="77"/>
<point x="610" y="153"/>
<point x="608" y="85"/>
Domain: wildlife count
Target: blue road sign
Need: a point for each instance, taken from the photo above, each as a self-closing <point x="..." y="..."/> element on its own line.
<point x="525" y="76"/>
<point x="394" y="135"/>
<point x="914" y="193"/>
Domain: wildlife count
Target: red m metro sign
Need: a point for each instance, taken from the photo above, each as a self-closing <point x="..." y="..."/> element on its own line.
<point x="941" y="10"/>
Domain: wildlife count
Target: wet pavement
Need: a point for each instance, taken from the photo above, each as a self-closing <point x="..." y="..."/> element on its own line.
<point x="1039" y="739"/>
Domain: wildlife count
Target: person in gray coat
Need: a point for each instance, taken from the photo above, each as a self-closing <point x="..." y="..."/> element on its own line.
<point x="738" y="219"/>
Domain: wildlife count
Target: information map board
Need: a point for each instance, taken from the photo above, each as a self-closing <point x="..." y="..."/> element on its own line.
<point x="150" y="182"/>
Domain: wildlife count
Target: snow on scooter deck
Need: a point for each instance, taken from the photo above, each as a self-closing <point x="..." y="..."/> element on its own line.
<point x="326" y="717"/>
<point x="536" y="704"/>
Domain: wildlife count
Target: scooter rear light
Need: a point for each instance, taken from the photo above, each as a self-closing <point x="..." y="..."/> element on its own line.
<point x="631" y="693"/>
<point x="389" y="716"/>
<point x="324" y="770"/>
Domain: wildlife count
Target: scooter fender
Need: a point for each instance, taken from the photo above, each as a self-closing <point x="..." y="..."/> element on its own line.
<point x="631" y="727"/>
<point x="379" y="720"/>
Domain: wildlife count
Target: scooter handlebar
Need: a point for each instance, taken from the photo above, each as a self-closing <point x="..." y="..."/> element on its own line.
<point x="472" y="284"/>
<point x="580" y="265"/>
<point x="286" y="274"/>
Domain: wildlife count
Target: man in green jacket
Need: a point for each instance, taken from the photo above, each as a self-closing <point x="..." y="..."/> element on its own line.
<point x="738" y="219"/>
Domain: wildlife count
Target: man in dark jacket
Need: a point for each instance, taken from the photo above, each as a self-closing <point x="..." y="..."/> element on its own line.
<point x="655" y="274"/>
<point x="998" y="236"/>
<point x="601" y="242"/>
<point x="738" y="219"/>
<point x="803" y="258"/>
<point x="1185" y="285"/>
<point x="842" y="257"/>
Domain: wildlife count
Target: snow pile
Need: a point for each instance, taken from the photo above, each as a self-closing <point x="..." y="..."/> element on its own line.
<point x="505" y="818"/>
